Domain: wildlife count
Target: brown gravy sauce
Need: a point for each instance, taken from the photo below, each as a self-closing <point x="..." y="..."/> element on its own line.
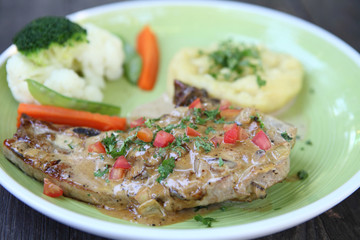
<point x="158" y="107"/>
<point x="170" y="218"/>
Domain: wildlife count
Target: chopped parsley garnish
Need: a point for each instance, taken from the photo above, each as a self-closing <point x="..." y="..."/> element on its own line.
<point x="199" y="120"/>
<point x="162" y="152"/>
<point x="257" y="119"/>
<point x="230" y="61"/>
<point x="209" y="130"/>
<point x="286" y="136"/>
<point x="109" y="142"/>
<point x="110" y="145"/>
<point x="166" y="167"/>
<point x="308" y="142"/>
<point x="221" y="162"/>
<point x="205" y="220"/>
<point x="170" y="127"/>
<point x="211" y="114"/>
<point x="100" y="173"/>
<point x="302" y="174"/>
<point x="193" y="126"/>
<point x="220" y="121"/>
<point x="182" y="124"/>
<point x="70" y="146"/>
<point x="261" y="82"/>
<point x="149" y="122"/>
<point x="202" y="142"/>
<point x="141" y="144"/>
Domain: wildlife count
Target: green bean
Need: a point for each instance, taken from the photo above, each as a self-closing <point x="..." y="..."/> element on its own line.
<point x="47" y="96"/>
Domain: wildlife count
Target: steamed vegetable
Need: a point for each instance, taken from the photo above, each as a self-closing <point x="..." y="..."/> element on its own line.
<point x="132" y="64"/>
<point x="71" y="117"/>
<point x="148" y="49"/>
<point x="70" y="59"/>
<point x="48" y="38"/>
<point x="46" y="96"/>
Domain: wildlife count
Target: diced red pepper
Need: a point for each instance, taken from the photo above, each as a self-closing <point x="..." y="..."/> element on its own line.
<point x="145" y="134"/>
<point x="216" y="140"/>
<point x="224" y="104"/>
<point x="231" y="135"/>
<point x="163" y="139"/>
<point x="137" y="122"/>
<point x="51" y="189"/>
<point x="192" y="132"/>
<point x="121" y="162"/>
<point x="195" y="104"/>
<point x="229" y="114"/>
<point x="97" y="147"/>
<point x="116" y="173"/>
<point x="261" y="140"/>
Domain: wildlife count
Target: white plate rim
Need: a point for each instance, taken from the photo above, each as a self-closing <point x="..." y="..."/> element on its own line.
<point x="244" y="231"/>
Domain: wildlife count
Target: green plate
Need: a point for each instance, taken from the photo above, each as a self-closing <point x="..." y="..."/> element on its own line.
<point x="325" y="112"/>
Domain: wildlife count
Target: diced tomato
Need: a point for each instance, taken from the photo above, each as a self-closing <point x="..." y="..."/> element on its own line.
<point x="192" y="132"/>
<point x="51" y="189"/>
<point x="97" y="147"/>
<point x="145" y="134"/>
<point x="231" y="135"/>
<point x="118" y="170"/>
<point x="229" y="113"/>
<point x="224" y="104"/>
<point x="261" y="140"/>
<point x="163" y="139"/>
<point x="243" y="135"/>
<point x="216" y="140"/>
<point x="116" y="173"/>
<point x="137" y="122"/>
<point x="195" y="104"/>
<point x="121" y="162"/>
<point x="227" y="127"/>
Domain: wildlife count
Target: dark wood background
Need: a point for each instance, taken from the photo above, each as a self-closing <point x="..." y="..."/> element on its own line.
<point x="340" y="17"/>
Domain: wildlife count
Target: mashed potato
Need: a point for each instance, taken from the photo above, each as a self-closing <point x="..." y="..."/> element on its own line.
<point x="283" y="75"/>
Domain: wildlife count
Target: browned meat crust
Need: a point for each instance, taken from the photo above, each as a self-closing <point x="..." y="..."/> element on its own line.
<point x="186" y="94"/>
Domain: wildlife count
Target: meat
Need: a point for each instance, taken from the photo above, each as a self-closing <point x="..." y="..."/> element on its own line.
<point x="204" y="172"/>
<point x="186" y="94"/>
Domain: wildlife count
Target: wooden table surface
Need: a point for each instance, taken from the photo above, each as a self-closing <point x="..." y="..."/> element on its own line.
<point x="342" y="18"/>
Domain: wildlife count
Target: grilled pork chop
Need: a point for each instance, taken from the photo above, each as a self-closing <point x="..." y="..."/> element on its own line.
<point x="190" y="171"/>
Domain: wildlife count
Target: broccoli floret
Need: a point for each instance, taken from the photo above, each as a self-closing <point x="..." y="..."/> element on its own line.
<point x="50" y="39"/>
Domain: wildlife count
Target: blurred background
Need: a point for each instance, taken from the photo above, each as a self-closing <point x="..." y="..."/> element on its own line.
<point x="341" y="18"/>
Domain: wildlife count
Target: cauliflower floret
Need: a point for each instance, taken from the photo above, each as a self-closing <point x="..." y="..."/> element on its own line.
<point x="18" y="69"/>
<point x="68" y="83"/>
<point x="103" y="57"/>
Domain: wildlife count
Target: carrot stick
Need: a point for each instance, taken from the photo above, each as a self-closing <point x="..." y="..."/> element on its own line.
<point x="71" y="117"/>
<point x="148" y="49"/>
